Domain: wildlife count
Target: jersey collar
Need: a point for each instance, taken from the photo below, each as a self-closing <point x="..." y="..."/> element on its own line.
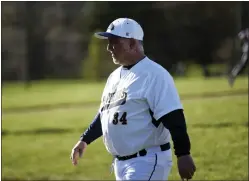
<point x="130" y="66"/>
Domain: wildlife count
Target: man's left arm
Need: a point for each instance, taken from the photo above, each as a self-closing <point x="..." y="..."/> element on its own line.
<point x="164" y="101"/>
<point x="176" y="124"/>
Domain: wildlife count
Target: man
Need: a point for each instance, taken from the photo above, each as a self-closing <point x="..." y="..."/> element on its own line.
<point x="140" y="109"/>
<point x="244" y="38"/>
<point x="241" y="65"/>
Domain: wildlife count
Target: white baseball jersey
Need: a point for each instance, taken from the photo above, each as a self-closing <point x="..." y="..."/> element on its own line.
<point x="129" y="99"/>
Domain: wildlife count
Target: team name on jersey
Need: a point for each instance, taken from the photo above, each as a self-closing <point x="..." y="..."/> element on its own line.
<point x="114" y="99"/>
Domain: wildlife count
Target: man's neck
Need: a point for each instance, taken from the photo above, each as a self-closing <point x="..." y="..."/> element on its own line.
<point x="134" y="62"/>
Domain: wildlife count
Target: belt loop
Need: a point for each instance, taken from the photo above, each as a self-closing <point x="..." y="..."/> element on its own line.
<point x="161" y="147"/>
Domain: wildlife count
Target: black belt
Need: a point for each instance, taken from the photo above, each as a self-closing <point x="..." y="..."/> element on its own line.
<point x="142" y="152"/>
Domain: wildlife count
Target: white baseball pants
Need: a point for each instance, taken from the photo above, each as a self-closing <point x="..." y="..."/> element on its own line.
<point x="155" y="165"/>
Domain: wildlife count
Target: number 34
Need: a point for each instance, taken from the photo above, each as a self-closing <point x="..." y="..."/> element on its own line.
<point x="116" y="119"/>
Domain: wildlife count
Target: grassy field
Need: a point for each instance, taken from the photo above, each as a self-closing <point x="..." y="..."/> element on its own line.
<point x="50" y="93"/>
<point x="36" y="145"/>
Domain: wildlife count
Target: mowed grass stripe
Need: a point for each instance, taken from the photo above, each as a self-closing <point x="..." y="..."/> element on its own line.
<point x="66" y="93"/>
<point x="87" y="104"/>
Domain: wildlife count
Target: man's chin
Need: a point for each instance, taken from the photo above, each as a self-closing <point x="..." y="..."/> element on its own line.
<point x="115" y="61"/>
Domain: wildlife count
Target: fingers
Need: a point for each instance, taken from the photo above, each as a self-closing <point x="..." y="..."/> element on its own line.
<point x="77" y="152"/>
<point x="186" y="167"/>
<point x="183" y="179"/>
<point x="187" y="174"/>
<point x="193" y="171"/>
<point x="74" y="157"/>
<point x="194" y="167"/>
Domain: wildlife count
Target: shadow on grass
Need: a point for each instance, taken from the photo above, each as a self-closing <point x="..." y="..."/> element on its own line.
<point x="220" y="125"/>
<point x="23" y="179"/>
<point x="41" y="131"/>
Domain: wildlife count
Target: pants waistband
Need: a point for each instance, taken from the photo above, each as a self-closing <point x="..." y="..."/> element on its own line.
<point x="142" y="152"/>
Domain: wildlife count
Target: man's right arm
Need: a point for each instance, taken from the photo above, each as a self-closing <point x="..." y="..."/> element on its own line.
<point x="93" y="132"/>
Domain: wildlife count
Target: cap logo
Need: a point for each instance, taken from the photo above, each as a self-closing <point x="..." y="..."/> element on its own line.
<point x="111" y="27"/>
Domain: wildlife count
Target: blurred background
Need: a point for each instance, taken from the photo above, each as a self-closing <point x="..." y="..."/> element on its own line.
<point x="43" y="40"/>
<point x="54" y="71"/>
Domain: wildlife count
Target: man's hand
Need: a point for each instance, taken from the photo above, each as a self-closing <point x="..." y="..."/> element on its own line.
<point x="186" y="167"/>
<point x="77" y="151"/>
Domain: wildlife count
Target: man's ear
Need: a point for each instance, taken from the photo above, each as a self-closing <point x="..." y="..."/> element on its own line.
<point x="132" y="43"/>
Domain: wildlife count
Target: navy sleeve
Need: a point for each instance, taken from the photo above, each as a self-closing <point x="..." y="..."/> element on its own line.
<point x="176" y="124"/>
<point x="93" y="132"/>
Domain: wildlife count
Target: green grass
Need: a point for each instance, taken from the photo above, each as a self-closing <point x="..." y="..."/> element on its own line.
<point x="37" y="145"/>
<point x="50" y="92"/>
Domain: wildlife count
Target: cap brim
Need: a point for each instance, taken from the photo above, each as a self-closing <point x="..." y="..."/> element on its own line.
<point x="103" y="35"/>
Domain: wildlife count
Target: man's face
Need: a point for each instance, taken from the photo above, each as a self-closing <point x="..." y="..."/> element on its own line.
<point x="119" y="48"/>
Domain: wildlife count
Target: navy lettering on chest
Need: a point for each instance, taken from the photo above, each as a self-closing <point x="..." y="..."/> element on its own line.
<point x="114" y="99"/>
